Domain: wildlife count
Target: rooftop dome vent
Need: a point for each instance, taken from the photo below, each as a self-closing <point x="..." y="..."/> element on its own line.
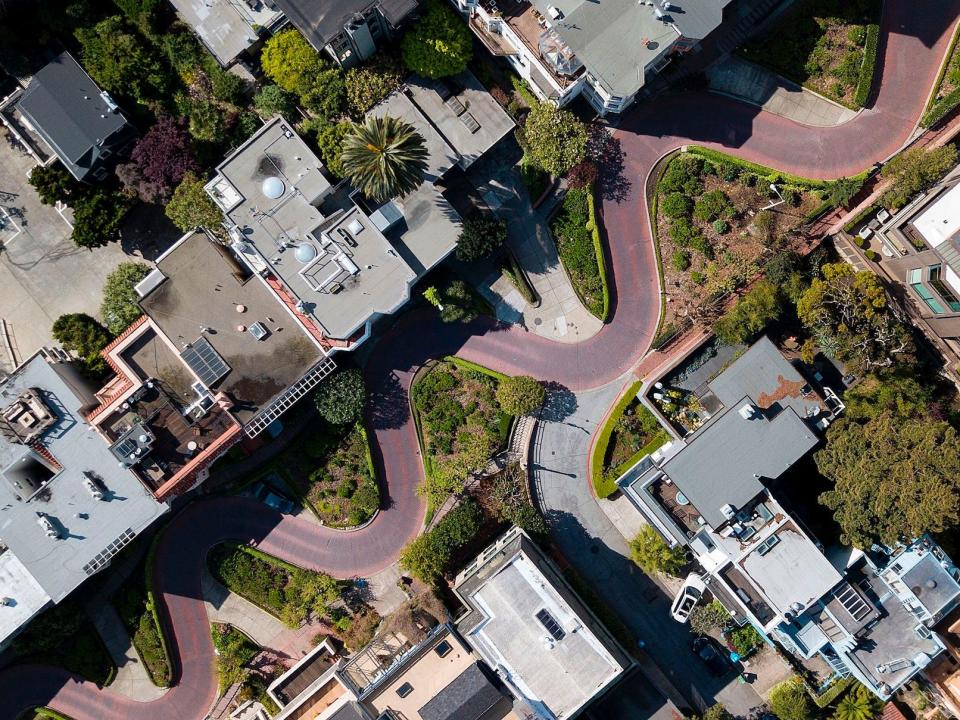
<point x="305" y="253"/>
<point x="272" y="187"/>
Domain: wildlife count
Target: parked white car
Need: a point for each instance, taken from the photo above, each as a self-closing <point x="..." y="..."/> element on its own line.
<point x="688" y="597"/>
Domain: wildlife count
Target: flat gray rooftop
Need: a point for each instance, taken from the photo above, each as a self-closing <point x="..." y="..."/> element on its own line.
<point x="17" y="583"/>
<point x="86" y="525"/>
<point x="441" y="154"/>
<point x="768" y="378"/>
<point x="724" y="462"/>
<point x="467" y="99"/>
<point x="226" y="27"/>
<point x="203" y="290"/>
<point x="931" y="584"/>
<point x="792" y="571"/>
<point x="563" y="674"/>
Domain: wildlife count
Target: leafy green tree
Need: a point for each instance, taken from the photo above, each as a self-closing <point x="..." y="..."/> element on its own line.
<point x="341" y="397"/>
<point x="652" y="554"/>
<point x="717" y="712"/>
<point x="894" y="478"/>
<point x="120" y="61"/>
<point x="327" y="139"/>
<point x="712" y="616"/>
<point x="790" y="701"/>
<point x="119" y="307"/>
<point x="894" y="391"/>
<point x="750" y="315"/>
<point x="459" y="304"/>
<point x="234" y="653"/>
<point x="850" y="316"/>
<point x="324" y="91"/>
<point x="482" y="233"/>
<point x="432" y="296"/>
<point x="384" y="157"/>
<point x="191" y="207"/>
<point x="144" y="14"/>
<point x="85" y="337"/>
<point x="858" y="704"/>
<point x="915" y="170"/>
<point x="371" y="82"/>
<point x="274" y="100"/>
<point x="555" y="138"/>
<point x="520" y="395"/>
<point x="54" y="184"/>
<point x="840" y="192"/>
<point x="97" y="214"/>
<point x="289" y="60"/>
<point x="428" y="557"/>
<point x="781" y="267"/>
<point x="440" y="44"/>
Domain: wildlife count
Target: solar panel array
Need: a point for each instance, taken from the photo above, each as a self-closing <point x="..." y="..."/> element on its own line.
<point x="550" y="624"/>
<point x="205" y="362"/>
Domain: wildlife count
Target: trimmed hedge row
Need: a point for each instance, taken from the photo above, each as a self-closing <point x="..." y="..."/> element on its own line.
<point x="475" y="367"/>
<point x="832" y="693"/>
<point x="868" y="67"/>
<point x="601" y="485"/>
<point x="167" y="680"/>
<point x="767" y="173"/>
<point x="594" y="228"/>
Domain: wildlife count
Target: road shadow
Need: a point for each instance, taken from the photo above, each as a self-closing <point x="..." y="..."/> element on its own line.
<point x="560" y="403"/>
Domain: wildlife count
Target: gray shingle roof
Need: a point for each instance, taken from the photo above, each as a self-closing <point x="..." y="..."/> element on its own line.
<point x="468" y="697"/>
<point x="65" y="106"/>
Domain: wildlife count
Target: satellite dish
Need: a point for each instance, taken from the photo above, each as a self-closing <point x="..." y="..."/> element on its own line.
<point x="273" y="188"/>
<point x="305" y="252"/>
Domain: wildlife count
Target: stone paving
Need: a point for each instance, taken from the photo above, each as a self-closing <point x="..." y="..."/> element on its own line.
<point x="759" y="86"/>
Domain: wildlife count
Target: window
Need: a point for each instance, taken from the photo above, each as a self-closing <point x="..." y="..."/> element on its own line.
<point x="404" y="689"/>
<point x="550" y="624"/>
<point x="443" y="648"/>
<point x="943" y="290"/>
<point x="928" y="298"/>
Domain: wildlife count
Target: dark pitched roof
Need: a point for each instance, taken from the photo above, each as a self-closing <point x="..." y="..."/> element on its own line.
<point x="322" y="20"/>
<point x="468" y="697"/>
<point x="65" y="106"/>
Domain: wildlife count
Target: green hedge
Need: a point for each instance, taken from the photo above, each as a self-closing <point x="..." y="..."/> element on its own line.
<point x="766" y="172"/>
<point x="833" y="693"/>
<point x="475" y="367"/>
<point x="594" y="227"/>
<point x="659" y="439"/>
<point x="43" y="712"/>
<point x="858" y="218"/>
<point x="603" y="486"/>
<point x="152" y="605"/>
<point x="867" y="69"/>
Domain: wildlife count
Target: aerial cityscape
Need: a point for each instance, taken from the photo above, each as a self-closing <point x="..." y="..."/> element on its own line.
<point x="479" y="359"/>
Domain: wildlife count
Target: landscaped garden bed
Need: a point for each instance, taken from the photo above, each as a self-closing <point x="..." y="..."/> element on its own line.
<point x="713" y="231"/>
<point x="629" y="432"/>
<point x="580" y="249"/>
<point x="828" y="46"/>
<point x="946" y="96"/>
<point x="461" y="423"/>
<point x="134" y="603"/>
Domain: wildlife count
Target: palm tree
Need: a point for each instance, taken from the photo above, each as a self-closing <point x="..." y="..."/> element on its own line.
<point x="857" y="704"/>
<point x="384" y="157"/>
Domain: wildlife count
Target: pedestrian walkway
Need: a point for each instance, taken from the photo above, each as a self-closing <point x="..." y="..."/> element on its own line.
<point x="759" y="86"/>
<point x="132" y="679"/>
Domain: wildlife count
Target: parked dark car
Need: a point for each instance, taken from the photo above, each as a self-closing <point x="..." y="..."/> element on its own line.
<point x="711" y="654"/>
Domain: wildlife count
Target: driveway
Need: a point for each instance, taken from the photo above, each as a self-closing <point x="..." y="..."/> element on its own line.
<point x="42" y="273"/>
<point x="597" y="551"/>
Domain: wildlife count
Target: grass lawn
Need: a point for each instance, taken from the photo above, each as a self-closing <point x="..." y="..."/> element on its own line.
<point x="821" y="44"/>
<point x="133" y="605"/>
<point x="573" y="230"/>
<point x="714" y="234"/>
<point x="286" y="591"/>
<point x="65" y="637"/>
<point x="461" y="422"/>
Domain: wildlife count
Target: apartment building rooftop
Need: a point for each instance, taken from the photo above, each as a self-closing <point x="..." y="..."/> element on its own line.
<point x="207" y="305"/>
<point x="525" y="621"/>
<point x="17" y="584"/>
<point x="66" y="504"/>
<point x="228" y="27"/>
<point x="321" y="21"/>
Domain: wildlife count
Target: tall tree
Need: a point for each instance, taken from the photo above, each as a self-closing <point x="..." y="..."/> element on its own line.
<point x="83" y="335"/>
<point x="652" y="554"/>
<point x="790" y="701"/>
<point x="341" y="397"/>
<point x="556" y="139"/>
<point x="850" y="316"/>
<point x="191" y="207"/>
<point x="119" y="307"/>
<point x="384" y="157"/>
<point x="97" y="215"/>
<point x="440" y="44"/>
<point x="894" y="478"/>
<point x="481" y="234"/>
<point x="288" y="60"/>
<point x="520" y="394"/>
<point x="750" y="315"/>
<point x="858" y="704"/>
<point x="120" y="61"/>
<point x="54" y="184"/>
<point x="159" y="160"/>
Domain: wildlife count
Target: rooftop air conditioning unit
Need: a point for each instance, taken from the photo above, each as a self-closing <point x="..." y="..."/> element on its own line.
<point x="93" y="488"/>
<point x="749" y="412"/>
<point x="48" y="527"/>
<point x="258" y="331"/>
<point x="728" y="511"/>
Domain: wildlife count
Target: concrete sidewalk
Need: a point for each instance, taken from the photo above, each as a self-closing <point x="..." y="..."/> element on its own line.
<point x="132" y="679"/>
<point x="758" y="86"/>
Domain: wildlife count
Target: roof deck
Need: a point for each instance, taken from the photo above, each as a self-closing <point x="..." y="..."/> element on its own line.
<point x="207" y="295"/>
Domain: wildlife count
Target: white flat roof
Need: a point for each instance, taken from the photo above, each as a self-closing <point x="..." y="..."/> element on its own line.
<point x="26" y="596"/>
<point x="940" y="221"/>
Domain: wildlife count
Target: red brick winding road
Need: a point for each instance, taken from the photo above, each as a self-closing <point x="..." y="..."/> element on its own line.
<point x="914" y="38"/>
